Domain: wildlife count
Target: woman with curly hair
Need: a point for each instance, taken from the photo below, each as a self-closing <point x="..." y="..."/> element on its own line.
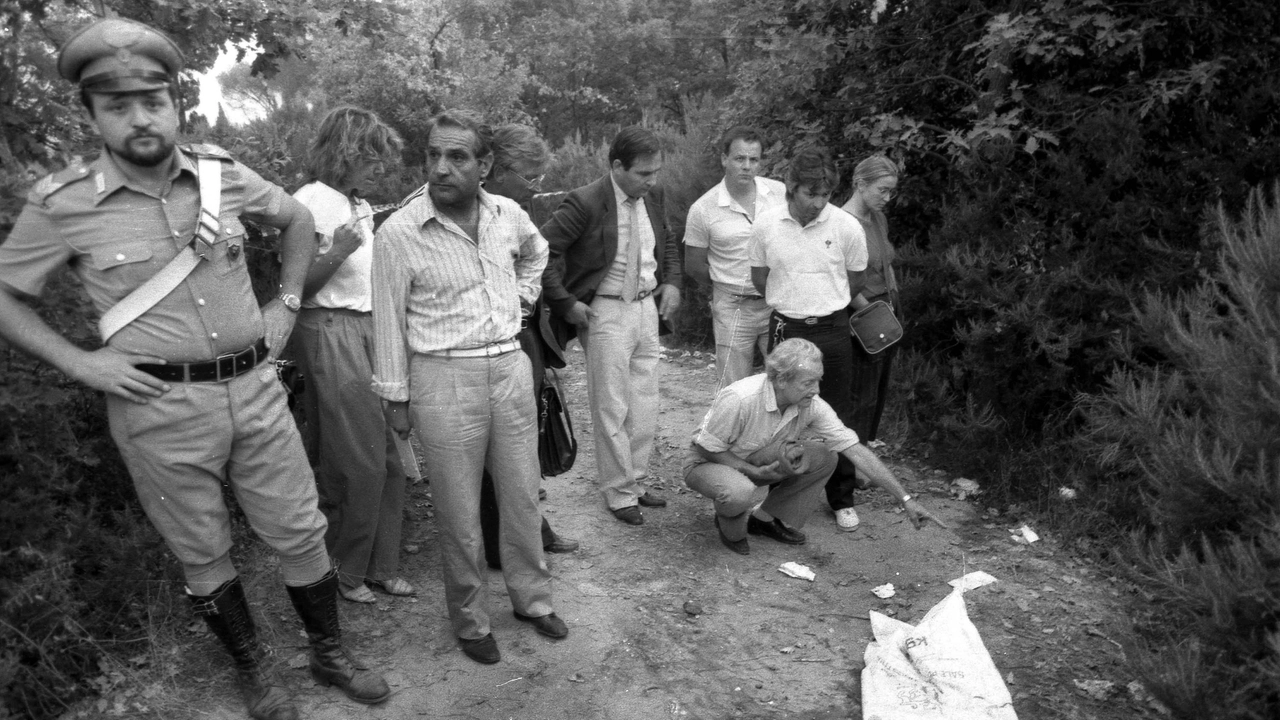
<point x="359" y="472"/>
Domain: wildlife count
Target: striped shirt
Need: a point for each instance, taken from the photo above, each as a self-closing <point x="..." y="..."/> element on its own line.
<point x="435" y="289"/>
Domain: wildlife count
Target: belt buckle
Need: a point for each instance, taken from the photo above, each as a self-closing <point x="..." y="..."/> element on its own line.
<point x="811" y="321"/>
<point x="218" y="374"/>
<point x="493" y="349"/>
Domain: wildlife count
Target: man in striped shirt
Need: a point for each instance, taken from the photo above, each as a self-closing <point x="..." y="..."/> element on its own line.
<point x="451" y="271"/>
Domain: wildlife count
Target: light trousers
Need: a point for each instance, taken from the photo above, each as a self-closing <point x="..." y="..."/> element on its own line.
<point x="471" y="413"/>
<point x="621" y="345"/>
<point x="358" y="471"/>
<point x="182" y="446"/>
<point x="741" y="325"/>
<point x="792" y="501"/>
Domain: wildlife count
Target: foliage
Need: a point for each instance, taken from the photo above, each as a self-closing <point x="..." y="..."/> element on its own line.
<point x="1197" y="439"/>
<point x="75" y="549"/>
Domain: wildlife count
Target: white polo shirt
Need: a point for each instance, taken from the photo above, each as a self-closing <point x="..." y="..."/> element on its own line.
<point x="717" y="222"/>
<point x="808" y="266"/>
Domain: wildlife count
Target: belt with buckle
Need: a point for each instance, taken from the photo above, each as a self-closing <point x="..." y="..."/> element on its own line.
<point x="490" y="350"/>
<point x="220" y="369"/>
<point x="827" y="319"/>
<point x="639" y="297"/>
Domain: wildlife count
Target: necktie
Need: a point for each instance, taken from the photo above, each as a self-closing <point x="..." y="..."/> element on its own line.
<point x="631" y="278"/>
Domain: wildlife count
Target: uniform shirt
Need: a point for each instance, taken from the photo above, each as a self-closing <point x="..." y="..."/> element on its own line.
<point x="436" y="289"/>
<point x="115" y="236"/>
<point x="808" y="266"/>
<point x="744" y="417"/>
<point x="880" y="277"/>
<point x="351" y="285"/>
<point x="613" y="280"/>
<point x="717" y="222"/>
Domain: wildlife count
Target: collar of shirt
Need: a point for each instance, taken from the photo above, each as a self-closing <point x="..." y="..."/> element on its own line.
<point x="108" y="177"/>
<point x="771" y="405"/>
<point x="822" y="216"/>
<point x="725" y="200"/>
<point x="426" y="211"/>
<point x="621" y="197"/>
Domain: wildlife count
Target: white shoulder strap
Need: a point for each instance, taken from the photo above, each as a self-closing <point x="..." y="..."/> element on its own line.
<point x="145" y="296"/>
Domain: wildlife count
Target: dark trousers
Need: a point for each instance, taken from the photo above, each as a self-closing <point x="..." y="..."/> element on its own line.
<point x="870" y="387"/>
<point x="831" y="335"/>
<point x="488" y="496"/>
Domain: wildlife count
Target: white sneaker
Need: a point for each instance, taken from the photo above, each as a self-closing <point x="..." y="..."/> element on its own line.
<point x="847" y="519"/>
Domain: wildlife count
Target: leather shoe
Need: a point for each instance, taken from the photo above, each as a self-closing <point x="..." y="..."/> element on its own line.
<point x="776" y="530"/>
<point x="629" y="515"/>
<point x="742" y="547"/>
<point x="548" y="625"/>
<point x="482" y="650"/>
<point x="561" y="545"/>
<point x="648" y="499"/>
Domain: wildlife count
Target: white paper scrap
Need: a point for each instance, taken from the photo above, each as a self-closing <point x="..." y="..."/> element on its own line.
<point x="975" y="579"/>
<point x="884" y="592"/>
<point x="796" y="570"/>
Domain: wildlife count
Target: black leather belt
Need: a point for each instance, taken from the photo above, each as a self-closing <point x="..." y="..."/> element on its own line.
<point x="639" y="297"/>
<point x="823" y="320"/>
<point x="220" y="369"/>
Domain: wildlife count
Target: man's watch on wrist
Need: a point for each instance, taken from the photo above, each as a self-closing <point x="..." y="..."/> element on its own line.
<point x="905" y="498"/>
<point x="291" y="301"/>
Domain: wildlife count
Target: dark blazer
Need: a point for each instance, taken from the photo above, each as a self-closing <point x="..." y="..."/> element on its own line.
<point x="583" y="236"/>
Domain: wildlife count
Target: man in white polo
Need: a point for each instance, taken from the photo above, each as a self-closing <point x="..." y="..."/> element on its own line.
<point x="716" y="237"/>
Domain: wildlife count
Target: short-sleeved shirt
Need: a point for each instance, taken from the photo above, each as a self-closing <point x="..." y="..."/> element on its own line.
<point x="717" y="222"/>
<point x="880" y="277"/>
<point x="744" y="417"/>
<point x="808" y="266"/>
<point x="351" y="285"/>
<point x="115" y="236"/>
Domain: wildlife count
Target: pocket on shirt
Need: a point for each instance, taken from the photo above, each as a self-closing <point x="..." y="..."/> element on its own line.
<point x="125" y="265"/>
<point x="232" y="235"/>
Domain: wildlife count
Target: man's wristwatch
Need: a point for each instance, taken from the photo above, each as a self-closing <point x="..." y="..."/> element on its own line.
<point x="291" y="301"/>
<point x="905" y="498"/>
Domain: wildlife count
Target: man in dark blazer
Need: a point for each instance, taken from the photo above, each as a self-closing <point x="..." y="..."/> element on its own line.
<point x="614" y="269"/>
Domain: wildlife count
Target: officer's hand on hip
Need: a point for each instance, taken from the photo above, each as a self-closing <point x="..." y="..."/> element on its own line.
<point x="277" y="322"/>
<point x="112" y="371"/>
<point x="668" y="301"/>
<point x="580" y="314"/>
<point x="397" y="415"/>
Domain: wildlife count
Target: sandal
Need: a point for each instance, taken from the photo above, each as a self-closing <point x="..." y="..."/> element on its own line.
<point x="395" y="586"/>
<point x="358" y="594"/>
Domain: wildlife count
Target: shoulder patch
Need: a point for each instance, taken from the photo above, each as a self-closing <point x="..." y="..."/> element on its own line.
<point x="207" y="150"/>
<point x="51" y="184"/>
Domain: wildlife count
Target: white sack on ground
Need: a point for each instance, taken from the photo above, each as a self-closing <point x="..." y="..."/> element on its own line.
<point x="937" y="670"/>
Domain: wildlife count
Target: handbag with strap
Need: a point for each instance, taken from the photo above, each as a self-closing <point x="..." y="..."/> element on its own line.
<point x="557" y="447"/>
<point x="875" y="327"/>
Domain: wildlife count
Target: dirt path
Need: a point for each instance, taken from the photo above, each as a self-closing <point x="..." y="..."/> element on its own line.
<point x="763" y="645"/>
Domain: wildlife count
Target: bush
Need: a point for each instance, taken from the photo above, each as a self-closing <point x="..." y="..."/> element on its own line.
<point x="1189" y="432"/>
<point x="76" y="552"/>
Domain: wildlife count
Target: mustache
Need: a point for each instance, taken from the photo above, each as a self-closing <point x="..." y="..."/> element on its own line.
<point x="144" y="136"/>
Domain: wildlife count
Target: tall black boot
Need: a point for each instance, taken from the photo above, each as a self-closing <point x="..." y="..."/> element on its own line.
<point x="317" y="605"/>
<point x="227" y="613"/>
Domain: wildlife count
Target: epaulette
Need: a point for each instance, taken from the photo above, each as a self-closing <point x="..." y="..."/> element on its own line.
<point x="51" y="184"/>
<point x="207" y="150"/>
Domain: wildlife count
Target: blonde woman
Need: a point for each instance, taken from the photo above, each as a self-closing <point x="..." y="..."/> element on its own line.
<point x="359" y="473"/>
<point x="875" y="183"/>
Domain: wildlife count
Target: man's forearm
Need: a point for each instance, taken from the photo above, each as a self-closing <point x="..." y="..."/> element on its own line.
<point x="297" y="250"/>
<point x="874" y="468"/>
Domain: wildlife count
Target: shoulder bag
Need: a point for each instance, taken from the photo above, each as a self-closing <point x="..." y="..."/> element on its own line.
<point x="557" y="448"/>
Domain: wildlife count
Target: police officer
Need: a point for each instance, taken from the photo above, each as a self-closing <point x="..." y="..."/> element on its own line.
<point x="192" y="397"/>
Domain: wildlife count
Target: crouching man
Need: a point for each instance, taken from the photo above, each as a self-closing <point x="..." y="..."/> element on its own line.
<point x="767" y="446"/>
